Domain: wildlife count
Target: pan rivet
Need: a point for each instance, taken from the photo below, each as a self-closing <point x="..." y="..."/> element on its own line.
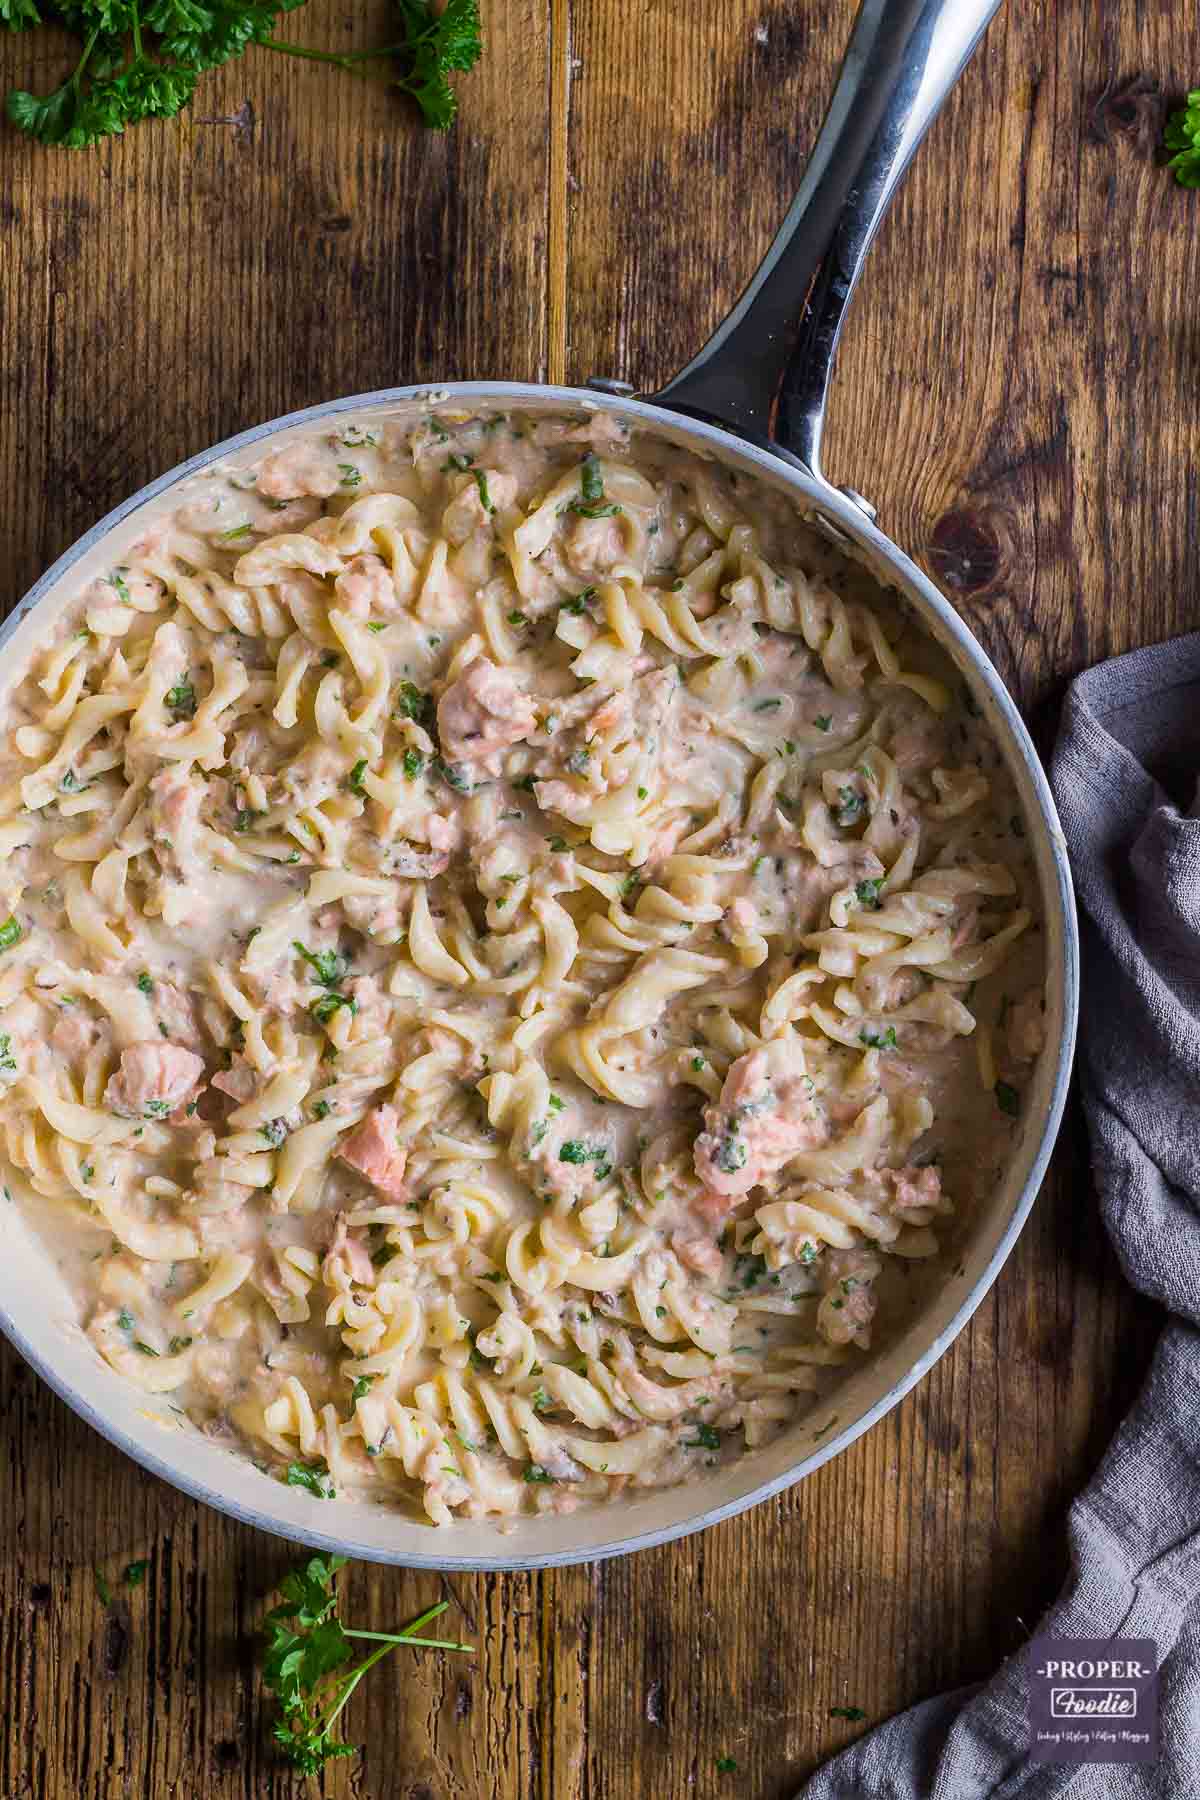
<point x="604" y="384"/>
<point x="863" y="505"/>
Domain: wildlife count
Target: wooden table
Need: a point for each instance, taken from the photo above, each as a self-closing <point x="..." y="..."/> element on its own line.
<point x="1018" y="394"/>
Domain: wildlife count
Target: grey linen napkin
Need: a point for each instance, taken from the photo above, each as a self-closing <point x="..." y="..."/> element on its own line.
<point x="1125" y="778"/>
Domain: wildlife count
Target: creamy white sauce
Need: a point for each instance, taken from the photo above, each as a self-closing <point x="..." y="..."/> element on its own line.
<point x="513" y="950"/>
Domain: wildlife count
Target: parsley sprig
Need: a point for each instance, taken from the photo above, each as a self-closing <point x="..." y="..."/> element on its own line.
<point x="304" y="1661"/>
<point x="141" y="59"/>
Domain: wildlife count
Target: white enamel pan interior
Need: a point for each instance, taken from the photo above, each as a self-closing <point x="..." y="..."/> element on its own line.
<point x="765" y="375"/>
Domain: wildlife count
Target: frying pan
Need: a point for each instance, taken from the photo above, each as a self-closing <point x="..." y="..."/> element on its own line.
<point x="754" y="399"/>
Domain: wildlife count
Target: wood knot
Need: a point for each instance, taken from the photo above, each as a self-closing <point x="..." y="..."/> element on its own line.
<point x="965" y="551"/>
<point x="40" y="1596"/>
<point x="1120" y="107"/>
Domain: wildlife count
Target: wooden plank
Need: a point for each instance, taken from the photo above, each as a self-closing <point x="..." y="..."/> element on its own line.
<point x="1016" y="394"/>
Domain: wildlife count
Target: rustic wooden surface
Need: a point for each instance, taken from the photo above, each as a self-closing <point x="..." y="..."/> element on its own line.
<point x="1018" y="393"/>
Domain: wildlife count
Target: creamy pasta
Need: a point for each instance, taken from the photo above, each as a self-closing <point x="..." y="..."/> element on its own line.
<point x="512" y="948"/>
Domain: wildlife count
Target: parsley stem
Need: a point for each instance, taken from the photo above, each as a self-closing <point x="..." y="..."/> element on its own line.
<point x="340" y="59"/>
<point x="407" y="1635"/>
<point x="351" y="1682"/>
<point x="402" y="1637"/>
<point x="88" y="47"/>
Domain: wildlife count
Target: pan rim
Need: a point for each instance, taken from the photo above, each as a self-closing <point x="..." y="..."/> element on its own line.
<point x="847" y="516"/>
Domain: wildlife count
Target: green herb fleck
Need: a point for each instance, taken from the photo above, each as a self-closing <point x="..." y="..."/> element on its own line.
<point x="181" y="699"/>
<point x="454" y="775"/>
<point x="607" y="511"/>
<point x="706" y="1438"/>
<point x="591" y="481"/>
<point x="314" y="1477"/>
<point x="323" y="1008"/>
<point x="413" y="704"/>
<point x="485" y="498"/>
<point x="731" y="1154"/>
<point x="329" y="966"/>
<point x="850" y="807"/>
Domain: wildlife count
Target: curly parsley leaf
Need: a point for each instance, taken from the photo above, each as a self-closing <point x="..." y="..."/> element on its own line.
<point x="306" y="1649"/>
<point x="432" y="46"/>
<point x="205" y="36"/>
<point x="113" y="84"/>
<point x="1182" y="135"/>
<point x="17" y="14"/>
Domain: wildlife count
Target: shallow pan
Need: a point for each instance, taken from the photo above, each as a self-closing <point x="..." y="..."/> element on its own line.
<point x="753" y="399"/>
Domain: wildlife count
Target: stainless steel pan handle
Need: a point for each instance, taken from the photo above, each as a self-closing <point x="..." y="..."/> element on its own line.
<point x="765" y="371"/>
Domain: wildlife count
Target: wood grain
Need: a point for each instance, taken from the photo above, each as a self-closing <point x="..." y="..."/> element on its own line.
<point x="1018" y="394"/>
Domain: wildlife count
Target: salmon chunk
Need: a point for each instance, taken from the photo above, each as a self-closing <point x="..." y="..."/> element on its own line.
<point x="153" y="1081"/>
<point x="481" y="714"/>
<point x="766" y="1115"/>
<point x="373" y="1151"/>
